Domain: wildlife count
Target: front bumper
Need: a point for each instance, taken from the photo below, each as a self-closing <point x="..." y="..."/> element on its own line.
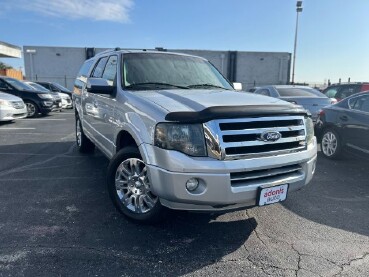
<point x="66" y="103"/>
<point x="10" y="113"/>
<point x="217" y="192"/>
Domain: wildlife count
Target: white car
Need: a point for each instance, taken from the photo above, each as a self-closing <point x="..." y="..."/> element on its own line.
<point x="66" y="101"/>
<point x="11" y="107"/>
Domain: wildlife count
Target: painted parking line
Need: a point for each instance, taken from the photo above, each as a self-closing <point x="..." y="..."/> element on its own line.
<point x="15" y="128"/>
<point x="42" y="119"/>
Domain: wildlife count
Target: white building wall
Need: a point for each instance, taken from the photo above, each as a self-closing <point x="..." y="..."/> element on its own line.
<point x="61" y="64"/>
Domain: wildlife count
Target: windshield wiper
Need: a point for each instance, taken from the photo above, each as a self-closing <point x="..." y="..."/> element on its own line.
<point x="205" y="85"/>
<point x="155" y="84"/>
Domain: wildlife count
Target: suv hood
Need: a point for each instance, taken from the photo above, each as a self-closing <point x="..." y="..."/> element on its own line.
<point x="202" y="105"/>
<point x="199" y="99"/>
<point x="9" y="97"/>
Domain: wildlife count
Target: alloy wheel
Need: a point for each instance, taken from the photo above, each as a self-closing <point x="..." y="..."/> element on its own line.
<point x="329" y="144"/>
<point x="31" y="109"/>
<point x="133" y="187"/>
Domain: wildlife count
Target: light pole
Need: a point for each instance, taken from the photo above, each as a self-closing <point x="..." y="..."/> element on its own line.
<point x="31" y="52"/>
<point x="298" y="10"/>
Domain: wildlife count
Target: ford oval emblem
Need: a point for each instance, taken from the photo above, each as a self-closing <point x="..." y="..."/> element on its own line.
<point x="270" y="136"/>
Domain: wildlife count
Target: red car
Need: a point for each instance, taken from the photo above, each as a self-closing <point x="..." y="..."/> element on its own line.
<point x="343" y="90"/>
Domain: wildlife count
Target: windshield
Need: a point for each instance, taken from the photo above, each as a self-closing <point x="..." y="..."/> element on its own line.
<point x="60" y="87"/>
<point x="299" y="92"/>
<point x="156" y="70"/>
<point x="18" y="84"/>
<point x="38" y="87"/>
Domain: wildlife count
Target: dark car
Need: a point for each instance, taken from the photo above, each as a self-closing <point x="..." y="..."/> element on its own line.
<point x="311" y="99"/>
<point x="36" y="101"/>
<point x="55" y="87"/>
<point x="345" y="126"/>
<point x="343" y="90"/>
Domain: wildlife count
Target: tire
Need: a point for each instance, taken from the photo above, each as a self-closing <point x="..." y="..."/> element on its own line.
<point x="84" y="144"/>
<point x="129" y="188"/>
<point x="331" y="144"/>
<point x="32" y="109"/>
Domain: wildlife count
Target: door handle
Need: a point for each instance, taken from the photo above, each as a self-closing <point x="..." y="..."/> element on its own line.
<point x="344" y="118"/>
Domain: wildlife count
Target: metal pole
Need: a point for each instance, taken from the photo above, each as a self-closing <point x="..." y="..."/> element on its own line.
<point x="294" y="48"/>
<point x="31" y="61"/>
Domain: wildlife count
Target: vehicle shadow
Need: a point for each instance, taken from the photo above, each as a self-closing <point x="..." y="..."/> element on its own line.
<point x="338" y="195"/>
<point x="55" y="207"/>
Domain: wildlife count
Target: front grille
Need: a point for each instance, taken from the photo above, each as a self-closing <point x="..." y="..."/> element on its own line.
<point x="18" y="104"/>
<point x="243" y="137"/>
<point x="265" y="175"/>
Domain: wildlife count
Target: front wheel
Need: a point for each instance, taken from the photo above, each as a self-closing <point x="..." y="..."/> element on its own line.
<point x="331" y="144"/>
<point x="130" y="188"/>
<point x="32" y="109"/>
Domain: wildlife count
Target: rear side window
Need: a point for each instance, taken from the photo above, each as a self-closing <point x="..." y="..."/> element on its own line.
<point x="292" y="92"/>
<point x="331" y="92"/>
<point x="346" y="91"/>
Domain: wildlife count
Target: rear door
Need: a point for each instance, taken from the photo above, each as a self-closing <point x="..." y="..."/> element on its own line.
<point x="357" y="123"/>
<point x="91" y="116"/>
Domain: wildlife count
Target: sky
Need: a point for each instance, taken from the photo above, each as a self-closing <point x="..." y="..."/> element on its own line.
<point x="333" y="35"/>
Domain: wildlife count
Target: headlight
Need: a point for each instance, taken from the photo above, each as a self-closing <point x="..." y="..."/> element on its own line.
<point x="5" y="103"/>
<point x="45" y="96"/>
<point x="309" y="129"/>
<point x="185" y="138"/>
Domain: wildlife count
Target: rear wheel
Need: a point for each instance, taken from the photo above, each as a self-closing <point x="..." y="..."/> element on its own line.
<point x="331" y="144"/>
<point x="32" y="109"/>
<point x="130" y="188"/>
<point x="84" y="144"/>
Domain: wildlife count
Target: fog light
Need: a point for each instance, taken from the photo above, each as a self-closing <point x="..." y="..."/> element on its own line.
<point x="192" y="184"/>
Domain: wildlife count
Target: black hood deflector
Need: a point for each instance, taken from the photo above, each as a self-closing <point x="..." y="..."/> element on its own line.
<point x="221" y="112"/>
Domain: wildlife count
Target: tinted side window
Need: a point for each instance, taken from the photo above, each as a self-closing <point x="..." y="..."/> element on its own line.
<point x="110" y="71"/>
<point x="331" y="92"/>
<point x="4" y="86"/>
<point x="263" y="92"/>
<point x="360" y="103"/>
<point x="346" y="91"/>
<point x="98" y="71"/>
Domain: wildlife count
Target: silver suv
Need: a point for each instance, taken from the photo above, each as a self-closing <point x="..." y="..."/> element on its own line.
<point x="179" y="136"/>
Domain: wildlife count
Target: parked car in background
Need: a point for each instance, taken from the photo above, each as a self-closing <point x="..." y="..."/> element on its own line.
<point x="343" y="90"/>
<point x="11" y="107"/>
<point x="253" y="89"/>
<point x="66" y="101"/>
<point x="344" y="126"/>
<point x="57" y="106"/>
<point x="55" y="87"/>
<point x="36" y="101"/>
<point x="311" y="99"/>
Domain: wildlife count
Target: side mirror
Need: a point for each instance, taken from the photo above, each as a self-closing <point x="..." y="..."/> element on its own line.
<point x="99" y="86"/>
<point x="237" y="86"/>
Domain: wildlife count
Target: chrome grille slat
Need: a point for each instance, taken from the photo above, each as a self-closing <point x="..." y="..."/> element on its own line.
<point x="257" y="174"/>
<point x="260" y="130"/>
<point x="256" y="142"/>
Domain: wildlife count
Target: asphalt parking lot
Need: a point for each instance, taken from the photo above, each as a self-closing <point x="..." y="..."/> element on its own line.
<point x="56" y="219"/>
